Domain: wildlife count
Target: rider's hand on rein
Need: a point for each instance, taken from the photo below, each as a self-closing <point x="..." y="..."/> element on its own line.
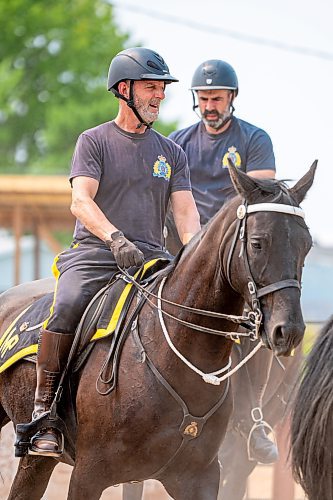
<point x="125" y="252"/>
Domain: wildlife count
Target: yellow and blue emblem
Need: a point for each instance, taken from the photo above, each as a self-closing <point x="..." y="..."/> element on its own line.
<point x="234" y="157"/>
<point x="162" y="168"/>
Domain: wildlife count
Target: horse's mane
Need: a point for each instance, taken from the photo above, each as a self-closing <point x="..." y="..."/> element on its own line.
<point x="311" y="430"/>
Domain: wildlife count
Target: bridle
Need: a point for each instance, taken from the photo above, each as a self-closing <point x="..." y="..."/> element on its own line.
<point x="240" y="233"/>
<point x="253" y="318"/>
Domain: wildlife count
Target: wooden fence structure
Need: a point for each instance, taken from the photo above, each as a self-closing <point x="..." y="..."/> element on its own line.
<point x="38" y="205"/>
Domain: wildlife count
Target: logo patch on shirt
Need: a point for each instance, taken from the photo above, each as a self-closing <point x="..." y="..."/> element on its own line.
<point x="234" y="157"/>
<point x="162" y="168"/>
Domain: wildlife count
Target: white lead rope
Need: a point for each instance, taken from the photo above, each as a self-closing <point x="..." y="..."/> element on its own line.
<point x="209" y="378"/>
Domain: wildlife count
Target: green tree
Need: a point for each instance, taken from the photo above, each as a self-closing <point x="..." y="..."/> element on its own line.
<point x="54" y="59"/>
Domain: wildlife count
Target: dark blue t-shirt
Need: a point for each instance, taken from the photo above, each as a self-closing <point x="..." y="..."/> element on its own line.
<point x="136" y="175"/>
<point x="249" y="147"/>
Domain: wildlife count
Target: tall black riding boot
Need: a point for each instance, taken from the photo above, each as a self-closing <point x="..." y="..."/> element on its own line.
<point x="248" y="417"/>
<point x="53" y="350"/>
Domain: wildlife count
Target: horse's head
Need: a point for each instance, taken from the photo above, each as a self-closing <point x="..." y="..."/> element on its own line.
<point x="266" y="260"/>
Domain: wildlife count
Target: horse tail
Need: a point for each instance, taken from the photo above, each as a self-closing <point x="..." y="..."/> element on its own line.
<point x="312" y="417"/>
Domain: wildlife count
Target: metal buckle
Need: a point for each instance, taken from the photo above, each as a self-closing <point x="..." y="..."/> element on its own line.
<point x="255" y="318"/>
<point x="257" y="410"/>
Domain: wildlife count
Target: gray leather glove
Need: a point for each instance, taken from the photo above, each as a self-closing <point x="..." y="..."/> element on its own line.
<point x="125" y="252"/>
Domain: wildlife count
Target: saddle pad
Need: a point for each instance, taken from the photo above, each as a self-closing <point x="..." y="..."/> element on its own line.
<point x="21" y="337"/>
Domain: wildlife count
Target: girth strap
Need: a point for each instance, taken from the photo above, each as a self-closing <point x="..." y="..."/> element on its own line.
<point x="278" y="286"/>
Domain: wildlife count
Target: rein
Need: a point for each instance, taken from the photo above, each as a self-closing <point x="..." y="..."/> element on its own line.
<point x="202" y="312"/>
<point x="253" y="319"/>
<point x="235" y="319"/>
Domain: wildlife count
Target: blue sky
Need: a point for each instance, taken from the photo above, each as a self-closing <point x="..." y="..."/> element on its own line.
<point x="288" y="92"/>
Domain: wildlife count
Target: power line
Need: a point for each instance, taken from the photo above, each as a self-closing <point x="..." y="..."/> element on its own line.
<point x="305" y="51"/>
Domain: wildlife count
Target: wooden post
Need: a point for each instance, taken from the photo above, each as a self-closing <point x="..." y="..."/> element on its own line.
<point x="17" y="229"/>
<point x="37" y="249"/>
<point x="44" y="232"/>
<point x="283" y="483"/>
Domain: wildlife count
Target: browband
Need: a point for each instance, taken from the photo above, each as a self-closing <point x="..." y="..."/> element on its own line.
<point x="242" y="210"/>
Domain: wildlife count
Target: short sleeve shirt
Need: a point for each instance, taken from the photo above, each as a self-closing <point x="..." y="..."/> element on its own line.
<point x="136" y="175"/>
<point x="249" y="147"/>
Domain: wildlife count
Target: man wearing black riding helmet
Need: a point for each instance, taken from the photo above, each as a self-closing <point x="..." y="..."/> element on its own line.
<point x="220" y="135"/>
<point x="208" y="144"/>
<point x="123" y="176"/>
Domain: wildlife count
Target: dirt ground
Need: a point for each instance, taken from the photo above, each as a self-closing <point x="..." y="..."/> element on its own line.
<point x="259" y="488"/>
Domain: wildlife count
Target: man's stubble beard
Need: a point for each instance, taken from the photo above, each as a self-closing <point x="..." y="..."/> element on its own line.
<point x="215" y="123"/>
<point x="142" y="108"/>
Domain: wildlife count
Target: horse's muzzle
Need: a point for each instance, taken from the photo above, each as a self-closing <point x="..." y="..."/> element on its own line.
<point x="286" y="337"/>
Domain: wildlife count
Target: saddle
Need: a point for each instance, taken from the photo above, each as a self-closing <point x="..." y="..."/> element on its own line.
<point x="105" y="316"/>
<point x="100" y="319"/>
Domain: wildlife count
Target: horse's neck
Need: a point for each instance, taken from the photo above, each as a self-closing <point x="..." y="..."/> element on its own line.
<point x="198" y="280"/>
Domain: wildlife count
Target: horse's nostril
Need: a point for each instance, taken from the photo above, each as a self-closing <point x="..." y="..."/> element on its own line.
<point x="287" y="335"/>
<point x="278" y="335"/>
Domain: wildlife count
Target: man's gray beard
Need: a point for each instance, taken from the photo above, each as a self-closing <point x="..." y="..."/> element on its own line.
<point x="146" y="115"/>
<point x="215" y="123"/>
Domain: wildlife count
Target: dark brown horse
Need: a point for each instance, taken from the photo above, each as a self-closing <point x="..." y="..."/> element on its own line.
<point x="168" y="416"/>
<point x="312" y="420"/>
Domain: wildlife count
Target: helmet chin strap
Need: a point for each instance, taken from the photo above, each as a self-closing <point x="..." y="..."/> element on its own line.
<point x="130" y="104"/>
<point x="225" y="121"/>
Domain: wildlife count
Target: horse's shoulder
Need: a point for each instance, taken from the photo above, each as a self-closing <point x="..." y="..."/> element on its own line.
<point x="17" y="298"/>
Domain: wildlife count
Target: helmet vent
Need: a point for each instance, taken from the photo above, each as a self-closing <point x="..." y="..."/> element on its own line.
<point x="209" y="72"/>
<point x="152" y="64"/>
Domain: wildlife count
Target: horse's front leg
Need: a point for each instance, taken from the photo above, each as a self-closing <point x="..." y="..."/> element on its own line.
<point x="198" y="485"/>
<point x="32" y="477"/>
<point x="93" y="472"/>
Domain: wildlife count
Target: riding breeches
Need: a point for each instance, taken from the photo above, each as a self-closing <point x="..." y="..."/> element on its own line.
<point x="80" y="272"/>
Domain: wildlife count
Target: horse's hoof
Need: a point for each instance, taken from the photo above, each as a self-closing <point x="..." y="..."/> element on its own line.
<point x="261" y="448"/>
<point x="48" y="443"/>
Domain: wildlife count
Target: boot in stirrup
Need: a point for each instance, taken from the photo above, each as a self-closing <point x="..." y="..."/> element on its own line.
<point x="53" y="350"/>
<point x="259" y="447"/>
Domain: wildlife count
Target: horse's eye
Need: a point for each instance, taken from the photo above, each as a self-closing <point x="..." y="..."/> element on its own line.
<point x="256" y="245"/>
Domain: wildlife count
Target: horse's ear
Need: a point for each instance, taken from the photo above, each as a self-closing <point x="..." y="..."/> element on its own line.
<point x="243" y="183"/>
<point x="303" y="185"/>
